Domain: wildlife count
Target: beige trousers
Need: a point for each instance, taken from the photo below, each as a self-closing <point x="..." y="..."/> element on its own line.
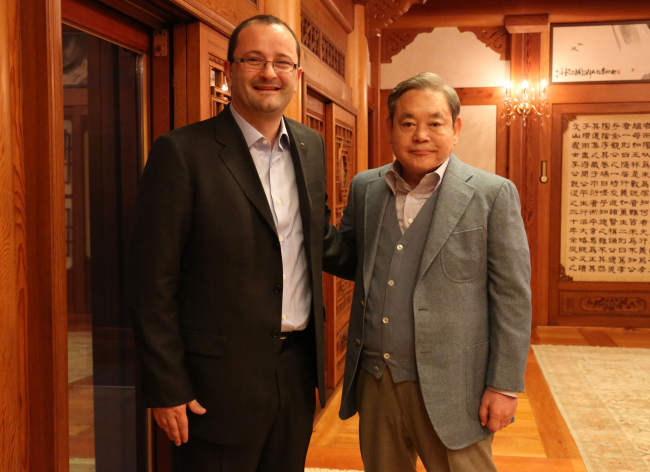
<point x="394" y="429"/>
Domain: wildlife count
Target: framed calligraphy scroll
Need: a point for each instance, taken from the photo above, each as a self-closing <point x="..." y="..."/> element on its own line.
<point x="601" y="52"/>
<point x="600" y="234"/>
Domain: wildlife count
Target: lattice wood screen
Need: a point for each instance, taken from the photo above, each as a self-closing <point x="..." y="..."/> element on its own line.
<point x="219" y="92"/>
<point x="313" y="39"/>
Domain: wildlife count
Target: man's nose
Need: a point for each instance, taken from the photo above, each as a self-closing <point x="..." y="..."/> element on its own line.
<point x="268" y="71"/>
<point x="421" y="134"/>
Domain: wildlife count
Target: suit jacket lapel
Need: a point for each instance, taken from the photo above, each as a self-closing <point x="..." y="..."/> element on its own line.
<point x="299" y="149"/>
<point x="238" y="159"/>
<point x="377" y="195"/>
<point x="455" y="195"/>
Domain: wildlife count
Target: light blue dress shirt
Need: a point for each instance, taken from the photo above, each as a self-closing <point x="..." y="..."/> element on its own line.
<point x="278" y="177"/>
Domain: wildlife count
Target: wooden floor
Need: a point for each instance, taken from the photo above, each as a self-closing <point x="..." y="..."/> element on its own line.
<point x="538" y="441"/>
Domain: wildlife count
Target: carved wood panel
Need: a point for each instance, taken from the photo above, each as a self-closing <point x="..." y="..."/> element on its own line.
<point x="496" y="38"/>
<point x="313" y="39"/>
<point x="394" y="41"/>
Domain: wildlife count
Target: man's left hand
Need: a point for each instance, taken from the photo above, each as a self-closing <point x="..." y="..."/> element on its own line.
<point x="496" y="410"/>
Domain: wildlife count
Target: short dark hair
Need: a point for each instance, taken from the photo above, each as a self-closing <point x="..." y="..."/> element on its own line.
<point x="265" y="20"/>
<point x="425" y="81"/>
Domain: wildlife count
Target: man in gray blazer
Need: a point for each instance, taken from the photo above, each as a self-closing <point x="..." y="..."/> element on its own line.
<point x="440" y="321"/>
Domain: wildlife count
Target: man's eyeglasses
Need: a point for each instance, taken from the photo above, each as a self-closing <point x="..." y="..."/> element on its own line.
<point x="257" y="63"/>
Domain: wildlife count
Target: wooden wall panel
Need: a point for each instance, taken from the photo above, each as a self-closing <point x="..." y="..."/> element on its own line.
<point x="46" y="327"/>
<point x="13" y="405"/>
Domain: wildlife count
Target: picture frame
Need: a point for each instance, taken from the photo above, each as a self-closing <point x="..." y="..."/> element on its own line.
<point x="607" y="52"/>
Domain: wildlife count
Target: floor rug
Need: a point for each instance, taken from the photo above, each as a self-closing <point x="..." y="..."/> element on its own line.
<point x="603" y="394"/>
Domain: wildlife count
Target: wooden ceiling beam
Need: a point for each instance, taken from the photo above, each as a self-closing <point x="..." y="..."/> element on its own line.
<point x="526" y="24"/>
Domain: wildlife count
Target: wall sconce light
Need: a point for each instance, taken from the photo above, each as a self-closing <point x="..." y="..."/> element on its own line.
<point x="525" y="100"/>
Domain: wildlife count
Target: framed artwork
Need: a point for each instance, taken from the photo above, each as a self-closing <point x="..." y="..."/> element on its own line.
<point x="75" y="59"/>
<point x="600" y="52"/>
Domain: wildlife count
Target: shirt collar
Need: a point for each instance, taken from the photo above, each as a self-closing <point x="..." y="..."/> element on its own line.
<point x="252" y="136"/>
<point x="429" y="183"/>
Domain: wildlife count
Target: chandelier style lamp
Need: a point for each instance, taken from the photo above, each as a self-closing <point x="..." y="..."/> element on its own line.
<point x="524" y="101"/>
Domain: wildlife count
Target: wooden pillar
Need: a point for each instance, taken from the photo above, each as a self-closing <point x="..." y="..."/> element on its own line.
<point x="289" y="12"/>
<point x="524" y="160"/>
<point x="356" y="77"/>
<point x="46" y="326"/>
<point x="374" y="46"/>
<point x="13" y="407"/>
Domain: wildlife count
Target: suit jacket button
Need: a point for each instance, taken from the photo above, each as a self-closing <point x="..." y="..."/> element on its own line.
<point x="277" y="289"/>
<point x="363" y="304"/>
<point x="275" y="333"/>
<point x="358" y="341"/>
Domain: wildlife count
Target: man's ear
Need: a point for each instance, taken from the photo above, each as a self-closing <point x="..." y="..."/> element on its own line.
<point x="299" y="74"/>
<point x="388" y="122"/>
<point x="457" y="126"/>
<point x="227" y="70"/>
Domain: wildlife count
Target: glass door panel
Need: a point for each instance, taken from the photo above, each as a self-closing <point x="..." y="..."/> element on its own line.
<point x="103" y="155"/>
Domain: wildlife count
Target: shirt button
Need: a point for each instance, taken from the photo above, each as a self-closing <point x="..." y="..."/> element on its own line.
<point x="386" y="355"/>
<point x="280" y="238"/>
<point x="265" y="142"/>
<point x="284" y="317"/>
<point x="410" y="220"/>
<point x="400" y="247"/>
<point x="376" y="369"/>
<point x="391" y="282"/>
<point x="278" y="201"/>
<point x="385" y="320"/>
<point x="414" y="194"/>
<point x="284" y="277"/>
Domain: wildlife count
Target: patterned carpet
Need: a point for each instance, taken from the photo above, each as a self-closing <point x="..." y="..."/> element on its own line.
<point x="604" y="396"/>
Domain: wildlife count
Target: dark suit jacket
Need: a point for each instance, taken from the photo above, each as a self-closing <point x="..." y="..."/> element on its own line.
<point x="205" y="273"/>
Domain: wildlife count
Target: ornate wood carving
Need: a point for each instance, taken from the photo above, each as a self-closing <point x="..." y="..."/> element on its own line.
<point x="566" y="121"/>
<point x="382" y="13"/>
<point x="563" y="276"/>
<point x="333" y="57"/>
<point x="622" y="304"/>
<point x="496" y="38"/>
<point x="310" y="36"/>
<point x="393" y="41"/>
<point x="313" y="39"/>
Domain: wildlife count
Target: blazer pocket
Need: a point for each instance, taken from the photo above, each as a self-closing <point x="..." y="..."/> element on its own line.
<point x="204" y="342"/>
<point x="464" y="255"/>
<point x="316" y="188"/>
<point x="475" y="369"/>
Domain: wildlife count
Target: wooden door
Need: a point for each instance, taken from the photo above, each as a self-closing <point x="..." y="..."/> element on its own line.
<point x="340" y="145"/>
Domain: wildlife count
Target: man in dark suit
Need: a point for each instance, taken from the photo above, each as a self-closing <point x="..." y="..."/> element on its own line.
<point x="225" y="270"/>
<point x="441" y="313"/>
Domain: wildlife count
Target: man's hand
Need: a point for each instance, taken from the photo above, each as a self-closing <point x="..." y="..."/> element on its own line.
<point x="496" y="410"/>
<point x="174" y="420"/>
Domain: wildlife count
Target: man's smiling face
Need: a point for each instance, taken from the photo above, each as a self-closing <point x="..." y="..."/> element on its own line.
<point x="263" y="91"/>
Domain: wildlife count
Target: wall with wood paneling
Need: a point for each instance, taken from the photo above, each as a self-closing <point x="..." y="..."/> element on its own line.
<point x="13" y="406"/>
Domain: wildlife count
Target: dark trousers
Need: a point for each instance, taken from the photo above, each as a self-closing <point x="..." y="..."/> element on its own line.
<point x="281" y="444"/>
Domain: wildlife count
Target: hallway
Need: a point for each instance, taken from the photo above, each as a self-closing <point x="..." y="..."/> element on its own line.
<point x="539" y="439"/>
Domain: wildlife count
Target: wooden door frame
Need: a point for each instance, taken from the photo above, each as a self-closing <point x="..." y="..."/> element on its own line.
<point x="43" y="342"/>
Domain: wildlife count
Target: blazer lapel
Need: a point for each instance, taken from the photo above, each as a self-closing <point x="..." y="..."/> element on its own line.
<point x="377" y="195"/>
<point x="455" y="195"/>
<point x="238" y="159"/>
<point x="299" y="149"/>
